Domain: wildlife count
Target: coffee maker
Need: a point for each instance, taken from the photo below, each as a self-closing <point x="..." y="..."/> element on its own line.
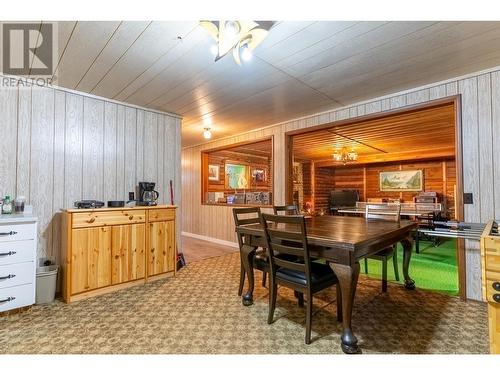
<point x="147" y="194"/>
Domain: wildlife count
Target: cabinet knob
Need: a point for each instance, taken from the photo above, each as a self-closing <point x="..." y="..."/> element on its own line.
<point x="496" y="297"/>
<point x="131" y="217"/>
<point x="91" y="220"/>
<point x="496" y="286"/>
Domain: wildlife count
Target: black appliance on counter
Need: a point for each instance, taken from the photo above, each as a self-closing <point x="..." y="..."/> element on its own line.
<point x="89" y="203"/>
<point x="341" y="199"/>
<point x="148" y="196"/>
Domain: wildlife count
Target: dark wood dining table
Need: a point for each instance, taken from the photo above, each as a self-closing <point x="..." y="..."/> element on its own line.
<point x="342" y="241"/>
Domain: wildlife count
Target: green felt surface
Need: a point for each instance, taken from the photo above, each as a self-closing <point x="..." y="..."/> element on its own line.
<point x="435" y="268"/>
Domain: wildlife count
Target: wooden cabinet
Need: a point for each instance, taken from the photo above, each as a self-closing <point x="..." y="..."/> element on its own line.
<point x="490" y="266"/>
<point x="161" y="257"/>
<point x="109" y="249"/>
<point x="90" y="259"/>
<point x="128" y="251"/>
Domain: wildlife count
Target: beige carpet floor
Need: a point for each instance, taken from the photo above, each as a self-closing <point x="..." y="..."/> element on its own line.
<point x="199" y="312"/>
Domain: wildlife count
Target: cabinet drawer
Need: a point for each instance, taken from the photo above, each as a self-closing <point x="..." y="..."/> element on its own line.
<point x="17" y="274"/>
<point x="106" y="218"/>
<point x="17" y="252"/>
<point x="18" y="296"/>
<point x="161" y="214"/>
<point x="15" y="232"/>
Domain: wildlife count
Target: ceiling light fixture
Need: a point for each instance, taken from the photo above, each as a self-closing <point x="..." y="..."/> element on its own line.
<point x="239" y="36"/>
<point x="207" y="134"/>
<point x="343" y="156"/>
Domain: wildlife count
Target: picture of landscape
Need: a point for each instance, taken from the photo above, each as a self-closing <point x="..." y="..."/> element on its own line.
<point x="401" y="181"/>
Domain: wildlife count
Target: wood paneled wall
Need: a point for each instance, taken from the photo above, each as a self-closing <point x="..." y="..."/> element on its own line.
<point x="439" y="176"/>
<point x="59" y="147"/>
<point x="480" y="107"/>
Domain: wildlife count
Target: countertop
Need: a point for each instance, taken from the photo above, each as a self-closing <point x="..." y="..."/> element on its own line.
<point x="17" y="218"/>
<point x="71" y="210"/>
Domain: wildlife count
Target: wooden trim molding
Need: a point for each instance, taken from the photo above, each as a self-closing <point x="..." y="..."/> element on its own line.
<point x="378" y="115"/>
<point x="205" y="161"/>
<point x="459" y="203"/>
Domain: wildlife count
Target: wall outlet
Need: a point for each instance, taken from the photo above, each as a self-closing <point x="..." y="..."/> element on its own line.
<point x="468" y="198"/>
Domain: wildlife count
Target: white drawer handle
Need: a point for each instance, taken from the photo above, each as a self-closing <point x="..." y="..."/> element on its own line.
<point x="8" y="299"/>
<point x="11" y="233"/>
<point x="7" y="277"/>
<point x="7" y="254"/>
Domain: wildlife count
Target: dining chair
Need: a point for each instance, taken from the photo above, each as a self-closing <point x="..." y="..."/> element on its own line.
<point x="243" y="216"/>
<point x="387" y="213"/>
<point x="289" y="209"/>
<point x="302" y="275"/>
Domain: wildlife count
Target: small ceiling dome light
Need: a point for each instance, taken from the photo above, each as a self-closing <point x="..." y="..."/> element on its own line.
<point x="207" y="134"/>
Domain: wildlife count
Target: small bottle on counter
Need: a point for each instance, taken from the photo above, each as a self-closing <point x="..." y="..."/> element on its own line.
<point x="7" y="205"/>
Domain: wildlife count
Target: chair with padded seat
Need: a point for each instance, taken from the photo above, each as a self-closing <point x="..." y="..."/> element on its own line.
<point x="289" y="209"/>
<point x="388" y="213"/>
<point x="245" y="216"/>
<point x="302" y="275"/>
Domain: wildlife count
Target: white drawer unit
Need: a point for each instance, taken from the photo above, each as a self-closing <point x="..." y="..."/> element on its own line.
<point x="16" y="251"/>
<point x="16" y="232"/>
<point x="18" y="239"/>
<point x="16" y="274"/>
<point x="17" y="296"/>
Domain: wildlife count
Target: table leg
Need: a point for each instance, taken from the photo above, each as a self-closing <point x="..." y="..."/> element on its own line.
<point x="348" y="280"/>
<point x="247" y="254"/>
<point x="407" y="247"/>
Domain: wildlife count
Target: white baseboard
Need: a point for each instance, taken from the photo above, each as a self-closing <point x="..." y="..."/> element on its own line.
<point x="211" y="239"/>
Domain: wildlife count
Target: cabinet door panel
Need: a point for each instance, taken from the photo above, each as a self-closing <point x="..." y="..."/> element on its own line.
<point x="128" y="253"/>
<point x="91" y="259"/>
<point x="161" y="256"/>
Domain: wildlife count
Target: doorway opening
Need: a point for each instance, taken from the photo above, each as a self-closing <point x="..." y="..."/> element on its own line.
<point x="410" y="157"/>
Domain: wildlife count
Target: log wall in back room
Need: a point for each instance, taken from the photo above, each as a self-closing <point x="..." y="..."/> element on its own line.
<point x="439" y="176"/>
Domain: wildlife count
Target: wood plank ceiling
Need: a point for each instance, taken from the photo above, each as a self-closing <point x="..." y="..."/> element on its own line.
<point x="299" y="69"/>
<point x="422" y="134"/>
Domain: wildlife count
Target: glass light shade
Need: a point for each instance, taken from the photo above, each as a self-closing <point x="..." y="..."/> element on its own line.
<point x="207" y="134"/>
<point x="344" y="156"/>
<point x="246" y="54"/>
<point x="231" y="29"/>
<point x="352" y="156"/>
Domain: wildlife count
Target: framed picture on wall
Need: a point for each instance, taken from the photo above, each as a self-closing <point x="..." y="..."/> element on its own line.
<point x="259" y="174"/>
<point x="237" y="176"/>
<point x="401" y="181"/>
<point x="213" y="172"/>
